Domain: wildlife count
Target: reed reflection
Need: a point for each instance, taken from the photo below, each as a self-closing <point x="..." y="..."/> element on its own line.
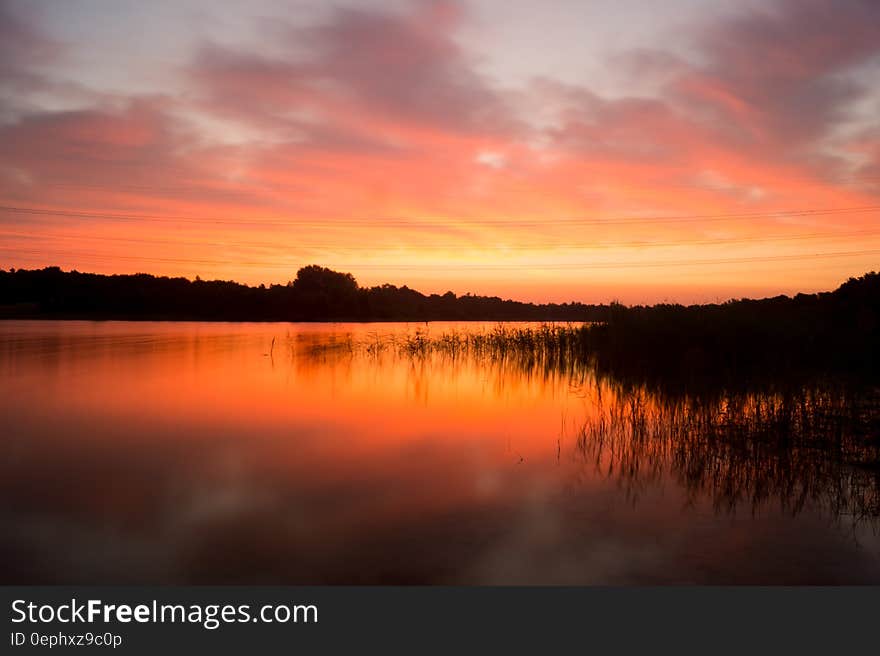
<point x="744" y="450"/>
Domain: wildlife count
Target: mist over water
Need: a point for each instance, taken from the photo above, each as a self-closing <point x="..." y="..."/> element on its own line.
<point x="138" y="452"/>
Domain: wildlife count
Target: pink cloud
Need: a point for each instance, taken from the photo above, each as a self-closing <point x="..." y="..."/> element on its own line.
<point x="384" y="116"/>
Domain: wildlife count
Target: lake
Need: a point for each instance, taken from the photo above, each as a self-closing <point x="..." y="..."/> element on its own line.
<point x="151" y="452"/>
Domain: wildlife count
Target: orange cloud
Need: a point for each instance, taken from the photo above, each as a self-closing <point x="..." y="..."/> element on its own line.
<point x="371" y="142"/>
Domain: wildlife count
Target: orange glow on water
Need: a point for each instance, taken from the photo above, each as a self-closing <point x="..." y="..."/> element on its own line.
<point x="175" y="452"/>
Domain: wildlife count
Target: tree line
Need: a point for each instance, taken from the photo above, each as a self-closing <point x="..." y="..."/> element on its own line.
<point x="315" y="294"/>
<point x="836" y="331"/>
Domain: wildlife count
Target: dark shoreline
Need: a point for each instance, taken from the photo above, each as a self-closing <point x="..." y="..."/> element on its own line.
<point x="55" y="317"/>
<point x="829" y="333"/>
<point x="316" y="294"/>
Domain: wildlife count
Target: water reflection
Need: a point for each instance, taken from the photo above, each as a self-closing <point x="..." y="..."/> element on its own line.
<point x="809" y="445"/>
<point x="178" y="452"/>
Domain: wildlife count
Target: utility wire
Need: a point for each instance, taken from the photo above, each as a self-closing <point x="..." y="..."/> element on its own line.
<point x="422" y="265"/>
<point x="535" y="246"/>
<point x="393" y="222"/>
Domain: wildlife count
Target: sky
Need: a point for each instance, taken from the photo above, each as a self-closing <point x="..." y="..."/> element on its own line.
<point x="563" y="150"/>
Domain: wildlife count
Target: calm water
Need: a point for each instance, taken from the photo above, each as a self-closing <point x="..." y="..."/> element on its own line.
<point x="197" y="452"/>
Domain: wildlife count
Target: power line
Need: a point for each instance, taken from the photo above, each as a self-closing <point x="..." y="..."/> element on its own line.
<point x="533" y="266"/>
<point x="392" y="222"/>
<point x="251" y="187"/>
<point x="482" y="247"/>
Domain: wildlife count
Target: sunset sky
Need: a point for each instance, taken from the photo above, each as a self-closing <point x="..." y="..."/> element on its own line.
<point x="560" y="150"/>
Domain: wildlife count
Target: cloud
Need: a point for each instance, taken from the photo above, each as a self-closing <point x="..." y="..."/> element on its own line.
<point x="22" y="44"/>
<point x="376" y="114"/>
<point x="28" y="61"/>
<point x="777" y="74"/>
<point x="89" y="145"/>
<point x="397" y="90"/>
<point x="140" y="156"/>
<point x="395" y="73"/>
<point x="23" y="50"/>
<point x="491" y="159"/>
<point x="763" y="94"/>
